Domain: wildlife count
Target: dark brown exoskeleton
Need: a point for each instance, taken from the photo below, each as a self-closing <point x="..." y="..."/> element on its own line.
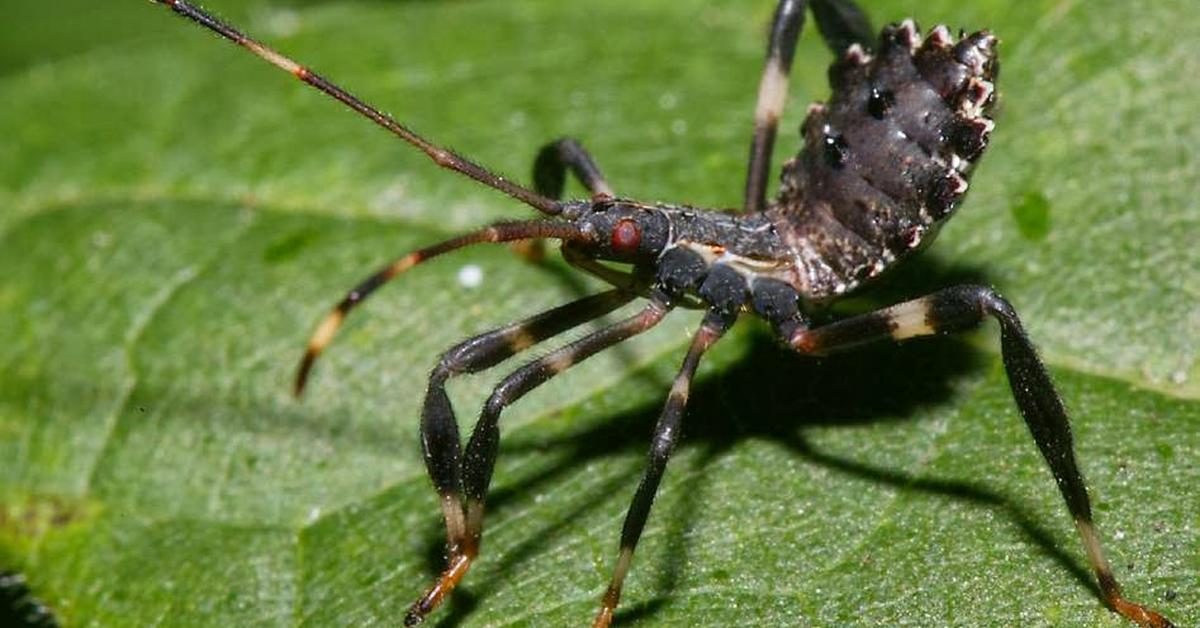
<point x="884" y="163"/>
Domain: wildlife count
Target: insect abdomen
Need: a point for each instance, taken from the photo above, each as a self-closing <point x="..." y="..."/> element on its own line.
<point x="886" y="160"/>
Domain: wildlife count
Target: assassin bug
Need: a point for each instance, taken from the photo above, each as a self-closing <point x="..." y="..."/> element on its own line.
<point x="884" y="163"/>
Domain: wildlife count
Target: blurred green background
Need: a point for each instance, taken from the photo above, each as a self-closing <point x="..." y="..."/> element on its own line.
<point x="175" y="216"/>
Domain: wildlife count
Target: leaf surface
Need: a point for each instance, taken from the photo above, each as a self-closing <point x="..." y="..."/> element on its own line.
<point x="175" y="216"/>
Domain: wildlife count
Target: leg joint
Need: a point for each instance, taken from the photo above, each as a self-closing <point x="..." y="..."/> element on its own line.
<point x="997" y="306"/>
<point x="444" y="370"/>
<point x="960" y="308"/>
<point x="494" y="405"/>
<point x="985" y="298"/>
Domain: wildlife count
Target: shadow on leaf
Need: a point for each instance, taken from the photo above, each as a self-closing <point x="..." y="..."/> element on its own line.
<point x="769" y="393"/>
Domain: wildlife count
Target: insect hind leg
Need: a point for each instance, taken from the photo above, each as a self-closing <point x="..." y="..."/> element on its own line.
<point x="965" y="307"/>
<point x="841" y="23"/>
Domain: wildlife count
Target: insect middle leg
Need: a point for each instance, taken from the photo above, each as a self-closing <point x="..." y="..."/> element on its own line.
<point x="964" y="307"/>
<point x="841" y="23"/>
<point x="480" y="456"/>
<point x="666" y="435"/>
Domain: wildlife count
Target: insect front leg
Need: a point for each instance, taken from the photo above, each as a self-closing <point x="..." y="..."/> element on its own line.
<point x="439" y="429"/>
<point x="841" y="23"/>
<point x="607" y="274"/>
<point x="964" y="307"/>
<point x="480" y="457"/>
<point x="666" y="435"/>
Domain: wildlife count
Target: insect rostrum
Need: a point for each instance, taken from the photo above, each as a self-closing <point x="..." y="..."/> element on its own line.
<point x="883" y="164"/>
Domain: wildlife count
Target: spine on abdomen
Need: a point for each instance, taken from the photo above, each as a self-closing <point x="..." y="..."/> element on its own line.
<point x="887" y="159"/>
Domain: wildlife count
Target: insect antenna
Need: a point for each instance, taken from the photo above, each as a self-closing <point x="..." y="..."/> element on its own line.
<point x="442" y="156"/>
<point x="500" y="232"/>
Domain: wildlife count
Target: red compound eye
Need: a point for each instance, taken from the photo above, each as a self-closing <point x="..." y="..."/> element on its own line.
<point x="626" y="236"/>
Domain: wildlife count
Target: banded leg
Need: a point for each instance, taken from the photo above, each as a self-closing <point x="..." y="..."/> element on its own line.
<point x="964" y="307"/>
<point x="666" y="435"/>
<point x="551" y="165"/>
<point x="439" y="429"/>
<point x="480" y="457"/>
<point x="841" y="23"/>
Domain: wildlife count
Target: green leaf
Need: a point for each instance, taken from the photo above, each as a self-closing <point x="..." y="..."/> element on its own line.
<point x="176" y="216"/>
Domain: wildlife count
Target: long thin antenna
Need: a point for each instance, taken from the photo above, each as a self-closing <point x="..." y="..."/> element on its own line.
<point x="501" y="232"/>
<point x="443" y="157"/>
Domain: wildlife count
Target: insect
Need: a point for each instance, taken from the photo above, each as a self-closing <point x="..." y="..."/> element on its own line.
<point x="884" y="163"/>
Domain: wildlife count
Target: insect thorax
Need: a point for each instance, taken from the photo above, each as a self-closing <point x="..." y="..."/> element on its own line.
<point x="886" y="160"/>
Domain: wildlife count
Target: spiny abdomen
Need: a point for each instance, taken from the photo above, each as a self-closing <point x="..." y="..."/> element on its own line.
<point x="887" y="159"/>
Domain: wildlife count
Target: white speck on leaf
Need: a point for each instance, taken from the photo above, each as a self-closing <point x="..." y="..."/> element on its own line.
<point x="470" y="276"/>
